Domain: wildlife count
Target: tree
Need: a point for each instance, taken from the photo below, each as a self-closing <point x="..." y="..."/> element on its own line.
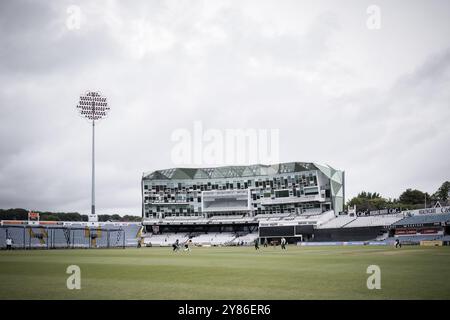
<point x="414" y="197"/>
<point x="442" y="193"/>
<point x="367" y="201"/>
<point x="22" y="214"/>
<point x="49" y="217"/>
<point x="13" y="214"/>
<point x="104" y="217"/>
<point x="116" y="217"/>
<point x="131" y="218"/>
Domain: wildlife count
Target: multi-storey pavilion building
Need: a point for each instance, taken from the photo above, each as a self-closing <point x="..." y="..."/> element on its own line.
<point x="293" y="188"/>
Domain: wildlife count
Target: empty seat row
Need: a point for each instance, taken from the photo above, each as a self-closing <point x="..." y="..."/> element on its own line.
<point x="369" y="221"/>
<point x="424" y="219"/>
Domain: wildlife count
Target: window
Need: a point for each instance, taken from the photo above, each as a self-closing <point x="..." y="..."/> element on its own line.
<point x="281" y="193"/>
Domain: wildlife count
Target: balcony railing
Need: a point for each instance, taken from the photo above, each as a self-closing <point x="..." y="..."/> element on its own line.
<point x="309" y="198"/>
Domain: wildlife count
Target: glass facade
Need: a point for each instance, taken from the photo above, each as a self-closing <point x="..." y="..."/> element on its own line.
<point x="288" y="188"/>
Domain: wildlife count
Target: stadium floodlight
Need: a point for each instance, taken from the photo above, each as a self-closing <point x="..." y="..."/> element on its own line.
<point x="94" y="107"/>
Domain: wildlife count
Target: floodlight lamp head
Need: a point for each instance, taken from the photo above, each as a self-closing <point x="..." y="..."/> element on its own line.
<point x="93" y="106"/>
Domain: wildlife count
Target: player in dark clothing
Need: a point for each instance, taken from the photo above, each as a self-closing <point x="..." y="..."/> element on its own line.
<point x="176" y="246"/>
<point x="397" y="243"/>
<point x="256" y="244"/>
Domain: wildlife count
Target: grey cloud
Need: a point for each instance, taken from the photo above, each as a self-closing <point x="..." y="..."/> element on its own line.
<point x="221" y="66"/>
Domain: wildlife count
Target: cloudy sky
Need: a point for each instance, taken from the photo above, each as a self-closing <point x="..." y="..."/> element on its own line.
<point x="372" y="101"/>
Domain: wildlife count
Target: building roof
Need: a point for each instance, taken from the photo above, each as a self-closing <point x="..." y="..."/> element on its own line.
<point x="235" y="171"/>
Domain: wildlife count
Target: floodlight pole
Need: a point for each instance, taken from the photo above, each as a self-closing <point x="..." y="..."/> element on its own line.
<point x="93" y="168"/>
<point x="93" y="107"/>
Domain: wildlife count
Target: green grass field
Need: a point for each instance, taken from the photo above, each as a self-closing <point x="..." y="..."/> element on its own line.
<point x="228" y="273"/>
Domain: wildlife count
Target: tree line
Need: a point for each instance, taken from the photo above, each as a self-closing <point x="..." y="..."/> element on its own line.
<point x="22" y="214"/>
<point x="410" y="199"/>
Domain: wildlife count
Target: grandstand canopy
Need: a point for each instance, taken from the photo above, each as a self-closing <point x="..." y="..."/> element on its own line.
<point x="235" y="171"/>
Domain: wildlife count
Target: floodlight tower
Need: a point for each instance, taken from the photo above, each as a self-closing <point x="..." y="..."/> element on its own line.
<point x="93" y="107"/>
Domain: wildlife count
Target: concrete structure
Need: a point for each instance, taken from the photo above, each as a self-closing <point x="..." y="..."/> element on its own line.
<point x="294" y="188"/>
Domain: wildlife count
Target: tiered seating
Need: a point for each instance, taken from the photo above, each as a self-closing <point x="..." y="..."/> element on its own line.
<point x="324" y="217"/>
<point x="424" y="219"/>
<point x="271" y="215"/>
<point x="175" y="218"/>
<point x="172" y="237"/>
<point x="156" y="240"/>
<point x="227" y="217"/>
<point x="312" y="212"/>
<point x="214" y="238"/>
<point x="338" y="222"/>
<point x="203" y="238"/>
<point x="166" y="239"/>
<point x="222" y="238"/>
<point x="247" y="239"/>
<point x="152" y="220"/>
<point x="370" y="221"/>
<point x="382" y="237"/>
<point x="274" y="216"/>
<point x="131" y="233"/>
